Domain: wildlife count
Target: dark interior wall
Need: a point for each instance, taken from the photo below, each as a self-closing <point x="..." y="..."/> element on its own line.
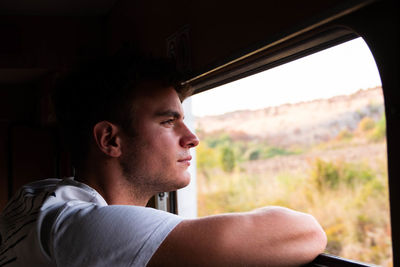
<point x="49" y="41"/>
<point x="219" y="30"/>
<point x="16" y="105"/>
<point x="3" y="166"/>
<point x="33" y="51"/>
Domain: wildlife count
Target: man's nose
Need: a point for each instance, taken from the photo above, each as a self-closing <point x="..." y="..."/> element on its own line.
<point x="189" y="139"/>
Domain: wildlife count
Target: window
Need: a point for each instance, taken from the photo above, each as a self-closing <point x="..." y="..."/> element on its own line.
<point x="309" y="135"/>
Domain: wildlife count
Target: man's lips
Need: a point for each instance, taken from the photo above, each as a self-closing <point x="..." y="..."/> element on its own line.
<point x="185" y="160"/>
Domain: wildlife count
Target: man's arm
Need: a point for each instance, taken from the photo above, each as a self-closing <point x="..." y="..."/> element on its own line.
<point x="270" y="236"/>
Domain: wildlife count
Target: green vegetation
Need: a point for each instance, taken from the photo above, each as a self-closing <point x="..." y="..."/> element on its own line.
<point x="227" y="159"/>
<point x="374" y="131"/>
<point x="331" y="175"/>
<point x="366" y="124"/>
<point x="345" y="135"/>
<point x="347" y="193"/>
<point x="267" y="152"/>
<point x="378" y="133"/>
<point x="221" y="151"/>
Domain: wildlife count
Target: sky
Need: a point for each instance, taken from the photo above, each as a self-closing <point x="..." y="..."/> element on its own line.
<point x="343" y="69"/>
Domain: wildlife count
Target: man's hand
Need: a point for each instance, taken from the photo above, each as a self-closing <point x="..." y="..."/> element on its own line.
<point x="272" y="236"/>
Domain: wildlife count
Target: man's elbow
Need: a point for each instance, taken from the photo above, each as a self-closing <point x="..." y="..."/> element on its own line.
<point x="322" y="240"/>
<point x="317" y="239"/>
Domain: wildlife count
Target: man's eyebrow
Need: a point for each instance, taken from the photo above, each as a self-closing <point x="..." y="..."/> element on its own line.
<point x="169" y="113"/>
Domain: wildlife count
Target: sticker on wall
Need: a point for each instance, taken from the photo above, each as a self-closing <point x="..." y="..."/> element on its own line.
<point x="178" y="48"/>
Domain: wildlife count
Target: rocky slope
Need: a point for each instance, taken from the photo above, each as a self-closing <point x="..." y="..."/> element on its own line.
<point x="301" y="123"/>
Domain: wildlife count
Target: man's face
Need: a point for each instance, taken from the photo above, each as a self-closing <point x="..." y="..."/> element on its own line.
<point x="156" y="157"/>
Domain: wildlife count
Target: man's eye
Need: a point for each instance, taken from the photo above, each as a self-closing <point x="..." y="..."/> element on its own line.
<point x="168" y="122"/>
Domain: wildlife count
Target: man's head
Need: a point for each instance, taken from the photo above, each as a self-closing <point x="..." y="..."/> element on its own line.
<point x="158" y="153"/>
<point x="137" y="100"/>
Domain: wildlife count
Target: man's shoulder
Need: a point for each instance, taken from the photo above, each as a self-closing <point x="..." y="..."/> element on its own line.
<point x="68" y="191"/>
<point x="30" y="192"/>
<point x="46" y="192"/>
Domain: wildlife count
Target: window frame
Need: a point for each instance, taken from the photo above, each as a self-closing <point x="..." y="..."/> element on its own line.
<point x="303" y="45"/>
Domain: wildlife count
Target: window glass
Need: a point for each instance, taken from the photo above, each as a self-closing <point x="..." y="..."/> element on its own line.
<point x="309" y="135"/>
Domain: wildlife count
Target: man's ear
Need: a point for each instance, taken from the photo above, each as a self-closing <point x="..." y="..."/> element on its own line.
<point x="108" y="139"/>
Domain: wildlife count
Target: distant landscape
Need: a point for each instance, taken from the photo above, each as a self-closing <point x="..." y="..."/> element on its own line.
<point x="326" y="157"/>
<point x="302" y="123"/>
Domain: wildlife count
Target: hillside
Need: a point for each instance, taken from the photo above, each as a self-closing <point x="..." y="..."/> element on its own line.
<point x="301" y="123"/>
<point x="326" y="157"/>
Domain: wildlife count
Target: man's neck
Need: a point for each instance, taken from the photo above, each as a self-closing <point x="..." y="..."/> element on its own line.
<point x="113" y="186"/>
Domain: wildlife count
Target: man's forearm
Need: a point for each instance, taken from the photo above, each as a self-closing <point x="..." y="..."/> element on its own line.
<point x="269" y="236"/>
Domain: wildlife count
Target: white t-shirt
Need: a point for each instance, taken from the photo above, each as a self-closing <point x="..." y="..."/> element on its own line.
<point x="56" y="222"/>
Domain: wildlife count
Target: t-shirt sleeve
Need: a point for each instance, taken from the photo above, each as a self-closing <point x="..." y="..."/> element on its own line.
<point x="90" y="235"/>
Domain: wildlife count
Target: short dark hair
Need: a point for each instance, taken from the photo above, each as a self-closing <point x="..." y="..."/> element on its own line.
<point x="104" y="90"/>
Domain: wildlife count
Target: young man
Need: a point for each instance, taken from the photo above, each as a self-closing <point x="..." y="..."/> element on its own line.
<point x="125" y="127"/>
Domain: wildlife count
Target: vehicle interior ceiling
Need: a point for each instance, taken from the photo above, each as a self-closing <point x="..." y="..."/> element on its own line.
<point x="216" y="42"/>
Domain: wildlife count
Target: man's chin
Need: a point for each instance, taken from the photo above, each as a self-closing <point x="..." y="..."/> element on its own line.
<point x="184" y="181"/>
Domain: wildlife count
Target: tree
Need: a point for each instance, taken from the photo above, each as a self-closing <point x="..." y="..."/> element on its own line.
<point x="227" y="159"/>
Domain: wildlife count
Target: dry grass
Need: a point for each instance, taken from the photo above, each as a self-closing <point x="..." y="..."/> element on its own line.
<point x="354" y="214"/>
